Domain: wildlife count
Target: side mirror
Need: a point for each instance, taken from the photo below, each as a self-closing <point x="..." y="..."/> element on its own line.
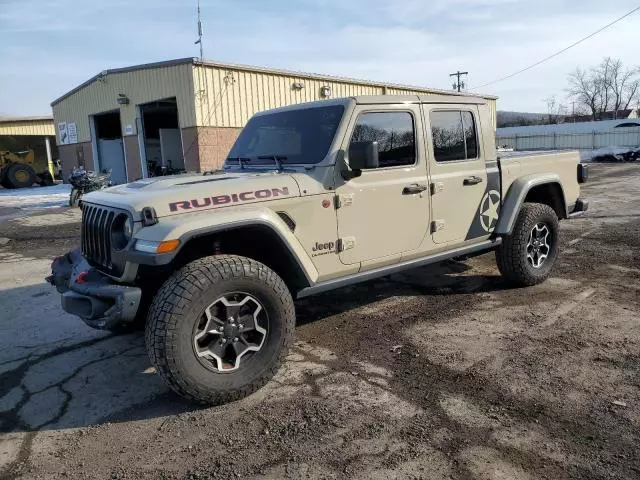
<point x="362" y="155"/>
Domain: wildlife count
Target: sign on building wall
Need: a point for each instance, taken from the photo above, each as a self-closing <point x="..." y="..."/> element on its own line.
<point x="68" y="133"/>
<point x="63" y="133"/>
<point x="73" y="132"/>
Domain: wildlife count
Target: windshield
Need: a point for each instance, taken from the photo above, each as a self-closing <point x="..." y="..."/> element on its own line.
<point x="294" y="136"/>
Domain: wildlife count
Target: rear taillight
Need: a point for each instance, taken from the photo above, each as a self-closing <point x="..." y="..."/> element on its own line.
<point x="583" y="173"/>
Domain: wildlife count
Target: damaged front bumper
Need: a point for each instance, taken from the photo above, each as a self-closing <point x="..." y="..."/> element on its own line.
<point x="92" y="296"/>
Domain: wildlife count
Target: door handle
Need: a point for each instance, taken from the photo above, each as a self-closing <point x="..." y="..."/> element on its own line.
<point x="472" y="180"/>
<point x="413" y="189"/>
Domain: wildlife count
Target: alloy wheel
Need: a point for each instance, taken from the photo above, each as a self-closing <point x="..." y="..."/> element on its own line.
<point x="538" y="247"/>
<point x="231" y="328"/>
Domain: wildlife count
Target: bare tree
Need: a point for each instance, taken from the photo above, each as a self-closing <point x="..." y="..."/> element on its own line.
<point x="631" y="92"/>
<point x="586" y="90"/>
<point x="555" y="111"/>
<point x="621" y="83"/>
<point x="551" y="108"/>
<point x="608" y="87"/>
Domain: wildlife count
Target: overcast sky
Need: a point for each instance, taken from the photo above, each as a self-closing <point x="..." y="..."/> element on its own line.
<point x="49" y="46"/>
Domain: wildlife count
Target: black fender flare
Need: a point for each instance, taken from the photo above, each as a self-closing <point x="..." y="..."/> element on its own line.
<point x="142" y="258"/>
<point x="516" y="195"/>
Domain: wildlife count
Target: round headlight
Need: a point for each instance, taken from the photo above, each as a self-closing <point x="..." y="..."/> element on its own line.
<point x="121" y="231"/>
<point x="128" y="229"/>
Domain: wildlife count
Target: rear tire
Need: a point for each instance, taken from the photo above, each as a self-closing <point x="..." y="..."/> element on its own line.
<point x="20" y="175"/>
<point x="527" y="256"/>
<point x="223" y="297"/>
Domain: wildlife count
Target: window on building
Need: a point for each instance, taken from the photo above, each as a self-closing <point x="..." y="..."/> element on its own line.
<point x="395" y="134"/>
<point x="454" y="135"/>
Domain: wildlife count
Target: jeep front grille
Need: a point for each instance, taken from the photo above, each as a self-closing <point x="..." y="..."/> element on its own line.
<point x="96" y="234"/>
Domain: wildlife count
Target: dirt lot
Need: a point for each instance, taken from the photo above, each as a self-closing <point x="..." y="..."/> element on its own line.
<point x="437" y="373"/>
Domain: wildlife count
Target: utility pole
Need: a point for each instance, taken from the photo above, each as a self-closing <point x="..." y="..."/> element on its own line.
<point x="458" y="85"/>
<point x="199" y="41"/>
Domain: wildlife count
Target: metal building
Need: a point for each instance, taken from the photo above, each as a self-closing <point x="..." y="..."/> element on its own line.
<point x="29" y="133"/>
<point x="183" y="113"/>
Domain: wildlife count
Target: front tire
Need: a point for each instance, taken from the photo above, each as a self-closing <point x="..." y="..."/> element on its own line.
<point x="219" y="328"/>
<point x="74" y="197"/>
<point x="20" y="175"/>
<point x="527" y="256"/>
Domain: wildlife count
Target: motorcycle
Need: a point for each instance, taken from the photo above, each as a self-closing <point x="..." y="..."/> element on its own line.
<point x="155" y="170"/>
<point x="83" y="182"/>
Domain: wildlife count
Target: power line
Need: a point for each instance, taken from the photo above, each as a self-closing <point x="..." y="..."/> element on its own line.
<point x="561" y="51"/>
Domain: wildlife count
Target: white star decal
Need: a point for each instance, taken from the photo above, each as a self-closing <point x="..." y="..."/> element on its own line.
<point x="489" y="210"/>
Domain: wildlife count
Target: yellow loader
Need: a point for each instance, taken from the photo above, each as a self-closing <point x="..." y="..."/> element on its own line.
<point x="22" y="170"/>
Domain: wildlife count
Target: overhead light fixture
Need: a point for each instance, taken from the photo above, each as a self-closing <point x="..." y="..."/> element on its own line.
<point x="297" y="85"/>
<point x="325" y="91"/>
<point x="122" y="99"/>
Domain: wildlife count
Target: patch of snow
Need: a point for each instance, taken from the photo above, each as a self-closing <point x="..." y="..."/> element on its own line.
<point x="620" y="154"/>
<point x="35" y="198"/>
<point x="603" y="154"/>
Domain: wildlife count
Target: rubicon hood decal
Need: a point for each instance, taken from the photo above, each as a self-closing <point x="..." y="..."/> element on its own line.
<point x="184" y="194"/>
<point x="248" y="196"/>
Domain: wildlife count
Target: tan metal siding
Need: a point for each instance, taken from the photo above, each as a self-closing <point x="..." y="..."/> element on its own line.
<point x="27" y="127"/>
<point x="229" y="97"/>
<point x="140" y="86"/>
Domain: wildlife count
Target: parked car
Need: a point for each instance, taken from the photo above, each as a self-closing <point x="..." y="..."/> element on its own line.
<point x="312" y="197"/>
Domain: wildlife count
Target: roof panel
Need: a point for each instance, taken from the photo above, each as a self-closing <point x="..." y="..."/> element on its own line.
<point x="409" y="89"/>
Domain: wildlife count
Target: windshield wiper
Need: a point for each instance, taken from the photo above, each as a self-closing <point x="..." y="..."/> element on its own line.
<point x="276" y="159"/>
<point x="240" y="161"/>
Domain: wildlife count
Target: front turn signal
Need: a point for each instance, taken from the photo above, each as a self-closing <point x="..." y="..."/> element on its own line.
<point x="149" y="246"/>
<point x="168" y="246"/>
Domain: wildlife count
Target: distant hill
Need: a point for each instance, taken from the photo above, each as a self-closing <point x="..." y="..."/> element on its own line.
<point x="517" y="119"/>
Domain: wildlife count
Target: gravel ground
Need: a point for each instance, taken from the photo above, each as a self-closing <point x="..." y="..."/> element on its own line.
<point x="437" y="373"/>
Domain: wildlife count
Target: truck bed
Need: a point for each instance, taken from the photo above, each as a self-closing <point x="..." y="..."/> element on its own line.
<point x="562" y="166"/>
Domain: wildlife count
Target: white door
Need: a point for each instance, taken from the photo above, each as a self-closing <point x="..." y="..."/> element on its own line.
<point x="171" y="148"/>
<point x="111" y="154"/>
<point x="385" y="211"/>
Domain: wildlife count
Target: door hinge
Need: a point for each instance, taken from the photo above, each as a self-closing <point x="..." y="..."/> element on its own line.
<point x="436" y="187"/>
<point x="346" y="243"/>
<point x="344" y="200"/>
<point x="437" y="225"/>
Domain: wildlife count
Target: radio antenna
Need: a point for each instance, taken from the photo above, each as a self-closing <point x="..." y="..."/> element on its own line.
<point x="199" y="41"/>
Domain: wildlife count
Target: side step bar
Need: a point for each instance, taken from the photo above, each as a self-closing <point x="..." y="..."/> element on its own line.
<point x="389" y="270"/>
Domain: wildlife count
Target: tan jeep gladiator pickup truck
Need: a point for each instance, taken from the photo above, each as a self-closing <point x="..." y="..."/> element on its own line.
<point x="312" y="197"/>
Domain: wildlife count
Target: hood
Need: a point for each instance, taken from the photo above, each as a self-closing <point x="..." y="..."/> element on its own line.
<point x="173" y="195"/>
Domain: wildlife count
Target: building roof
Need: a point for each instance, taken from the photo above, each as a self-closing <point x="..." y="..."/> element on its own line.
<point x="27" y="126"/>
<point x="249" y="68"/>
<point x="37" y="118"/>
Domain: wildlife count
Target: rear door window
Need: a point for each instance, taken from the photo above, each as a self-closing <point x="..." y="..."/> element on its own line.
<point x="454" y="135"/>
